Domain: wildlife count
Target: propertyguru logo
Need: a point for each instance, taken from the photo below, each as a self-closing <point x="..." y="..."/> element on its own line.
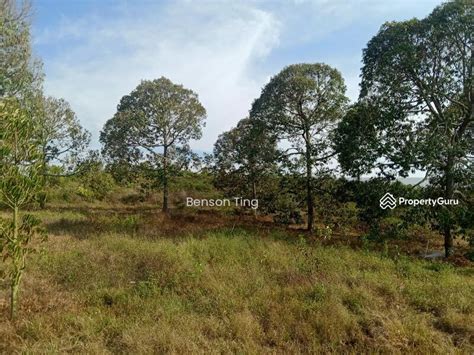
<point x="389" y="201"/>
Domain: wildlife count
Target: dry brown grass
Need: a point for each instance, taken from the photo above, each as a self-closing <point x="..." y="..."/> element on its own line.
<point x="128" y="281"/>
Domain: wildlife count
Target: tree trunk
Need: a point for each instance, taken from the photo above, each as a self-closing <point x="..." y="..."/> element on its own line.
<point x="165" y="179"/>
<point x="15" y="287"/>
<point x="448" y="194"/>
<point x="16" y="275"/>
<point x="44" y="170"/>
<point x="254" y="195"/>
<point x="309" y="190"/>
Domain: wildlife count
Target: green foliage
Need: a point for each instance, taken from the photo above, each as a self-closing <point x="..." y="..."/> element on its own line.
<point x="324" y="232"/>
<point x="20" y="159"/>
<point x="416" y="99"/>
<point x="287" y="210"/>
<point x="301" y="95"/>
<point x="19" y="71"/>
<point x="470" y="253"/>
<point x="96" y="180"/>
<point x="356" y="139"/>
<point x="135" y="132"/>
<point x="85" y="193"/>
<point x="101" y="184"/>
<point x="245" y="157"/>
<point x="62" y="139"/>
<point x="192" y="181"/>
<point x="152" y="126"/>
<point x="20" y="165"/>
<point x="392" y="228"/>
<point x="301" y="105"/>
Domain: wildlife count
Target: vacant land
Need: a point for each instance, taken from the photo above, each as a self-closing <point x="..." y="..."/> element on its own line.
<point x="115" y="280"/>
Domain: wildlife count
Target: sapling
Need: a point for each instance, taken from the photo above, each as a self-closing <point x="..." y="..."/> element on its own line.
<point x="20" y="167"/>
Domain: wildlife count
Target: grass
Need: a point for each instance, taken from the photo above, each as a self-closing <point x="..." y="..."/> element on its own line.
<point x="228" y="289"/>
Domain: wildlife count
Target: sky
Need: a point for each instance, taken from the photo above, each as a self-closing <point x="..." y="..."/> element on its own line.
<point x="95" y="52"/>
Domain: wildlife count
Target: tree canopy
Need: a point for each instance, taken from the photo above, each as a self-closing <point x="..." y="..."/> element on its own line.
<point x="157" y="116"/>
<point x="417" y="75"/>
<point x="301" y="104"/>
<point x="244" y="156"/>
<point x="19" y="70"/>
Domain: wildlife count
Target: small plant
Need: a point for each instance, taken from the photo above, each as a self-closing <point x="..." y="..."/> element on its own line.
<point x="366" y="242"/>
<point x="324" y="232"/>
<point x="85" y="193"/>
<point x="470" y="253"/>
<point x="130" y="224"/>
<point x="97" y="182"/>
<point x="287" y="210"/>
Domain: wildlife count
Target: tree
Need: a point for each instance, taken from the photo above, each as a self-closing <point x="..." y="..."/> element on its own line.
<point x="63" y="141"/>
<point x="418" y="75"/>
<point x="19" y="71"/>
<point x="301" y="105"/>
<point x="244" y="156"/>
<point x="20" y="158"/>
<point x="62" y="138"/>
<point x="155" y="119"/>
<point x="20" y="166"/>
<point x="356" y="139"/>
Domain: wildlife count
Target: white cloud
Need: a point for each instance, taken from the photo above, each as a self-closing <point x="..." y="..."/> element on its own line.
<point x="209" y="49"/>
<point x="222" y="50"/>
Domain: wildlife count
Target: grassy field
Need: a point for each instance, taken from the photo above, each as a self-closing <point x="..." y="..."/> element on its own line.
<point x="117" y="281"/>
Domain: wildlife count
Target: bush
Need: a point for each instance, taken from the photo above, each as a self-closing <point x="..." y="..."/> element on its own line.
<point x="324" y="232"/>
<point x="287" y="210"/>
<point x="392" y="228"/>
<point x="85" y="193"/>
<point x="100" y="184"/>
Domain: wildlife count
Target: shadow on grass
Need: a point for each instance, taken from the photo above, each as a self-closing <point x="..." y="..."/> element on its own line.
<point x="149" y="224"/>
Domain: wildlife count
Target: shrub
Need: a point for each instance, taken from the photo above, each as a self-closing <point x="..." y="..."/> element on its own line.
<point x="85" y="193"/>
<point x="287" y="210"/>
<point x="324" y="232"/>
<point x="100" y="184"/>
<point x="392" y="228"/>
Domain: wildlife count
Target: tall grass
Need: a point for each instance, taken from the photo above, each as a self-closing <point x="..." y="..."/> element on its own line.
<point x="235" y="291"/>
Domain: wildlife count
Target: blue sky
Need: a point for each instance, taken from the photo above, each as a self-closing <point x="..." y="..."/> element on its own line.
<point x="94" y="52"/>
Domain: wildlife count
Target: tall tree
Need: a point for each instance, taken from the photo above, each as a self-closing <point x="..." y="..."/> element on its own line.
<point x="154" y="119"/>
<point x="418" y="74"/>
<point x="301" y="105"/>
<point x="19" y="71"/>
<point x="244" y="156"/>
<point x="62" y="139"/>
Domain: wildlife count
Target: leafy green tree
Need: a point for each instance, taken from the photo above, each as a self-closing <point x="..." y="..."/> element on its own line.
<point x="94" y="180"/>
<point x="418" y="75"/>
<point x="20" y="168"/>
<point x="20" y="158"/>
<point x="301" y="105"/>
<point x="63" y="141"/>
<point x="62" y="138"/>
<point x="356" y="139"/>
<point x="245" y="156"/>
<point x="155" y="119"/>
<point x="19" y="71"/>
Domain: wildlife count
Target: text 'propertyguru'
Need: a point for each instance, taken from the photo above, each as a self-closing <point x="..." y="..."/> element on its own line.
<point x="440" y="201"/>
